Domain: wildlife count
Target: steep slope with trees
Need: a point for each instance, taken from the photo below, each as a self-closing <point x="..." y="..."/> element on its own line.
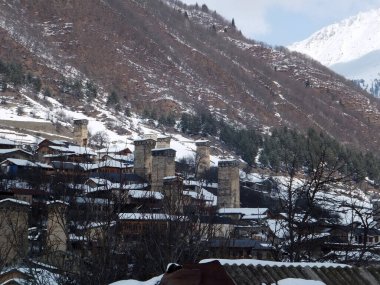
<point x="163" y="55"/>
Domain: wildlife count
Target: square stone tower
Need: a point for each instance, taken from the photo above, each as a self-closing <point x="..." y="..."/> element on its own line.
<point x="13" y="230"/>
<point x="228" y="184"/>
<point x="163" y="165"/>
<point x="202" y="157"/>
<point x="143" y="157"/>
<point x="163" y="142"/>
<point x="173" y="194"/>
<point x="81" y="132"/>
<point x="56" y="236"/>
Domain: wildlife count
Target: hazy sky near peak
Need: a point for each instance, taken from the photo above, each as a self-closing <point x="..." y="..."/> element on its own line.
<point x="282" y="22"/>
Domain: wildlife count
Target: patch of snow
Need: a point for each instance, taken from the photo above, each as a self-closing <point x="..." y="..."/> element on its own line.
<point x="298" y="281"/>
<point x="154" y="281"/>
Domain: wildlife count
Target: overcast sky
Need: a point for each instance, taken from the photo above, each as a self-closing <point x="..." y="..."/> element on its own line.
<point x="282" y="22"/>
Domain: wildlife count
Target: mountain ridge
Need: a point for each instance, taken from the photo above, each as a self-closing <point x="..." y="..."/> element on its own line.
<point x="347" y="47"/>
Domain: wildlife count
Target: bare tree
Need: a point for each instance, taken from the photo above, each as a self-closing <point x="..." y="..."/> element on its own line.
<point x="302" y="196"/>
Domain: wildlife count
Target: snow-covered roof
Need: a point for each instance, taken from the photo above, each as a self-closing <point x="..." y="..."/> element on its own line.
<point x="110" y="163"/>
<point x="116" y="186"/>
<point x="20" y="162"/>
<point x="7" y="142"/>
<point x="203" y="194"/>
<point x="154" y="281"/>
<point x="44" y="165"/>
<point x="129" y="157"/>
<point x="92" y="225"/>
<point x="57" y="202"/>
<point x="10" y="150"/>
<point x="95" y="201"/>
<point x="59" y="142"/>
<point x="199" y="183"/>
<point x="169" y="177"/>
<point x="113" y="149"/>
<point x="150" y="216"/>
<point x="99" y="181"/>
<point x="74" y="149"/>
<point x="15" y="201"/>
<point x="255" y="177"/>
<point x="244" y="211"/>
<point x="256" y="262"/>
<point x="138" y="194"/>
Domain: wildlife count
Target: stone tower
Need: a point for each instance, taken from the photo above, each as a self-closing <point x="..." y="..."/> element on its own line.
<point x="173" y="193"/>
<point x="143" y="157"/>
<point x="56" y="235"/>
<point x="163" y="142"/>
<point x="228" y="184"/>
<point x="163" y="165"/>
<point x="202" y="159"/>
<point x="81" y="132"/>
<point x="13" y="230"/>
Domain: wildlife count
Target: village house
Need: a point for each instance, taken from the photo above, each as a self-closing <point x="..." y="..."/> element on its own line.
<point x="43" y="146"/>
<point x="111" y="167"/>
<point x="114" y="150"/>
<point x="132" y="225"/>
<point x="15" y="153"/>
<point x="48" y="152"/>
<point x="8" y="144"/>
<point x="13" y="166"/>
<point x="240" y="248"/>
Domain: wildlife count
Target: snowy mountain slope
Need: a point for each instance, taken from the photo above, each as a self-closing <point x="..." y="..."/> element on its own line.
<point x="350" y="48"/>
<point x="173" y="59"/>
<point x="364" y="70"/>
<point x="185" y="147"/>
<point x="345" y="41"/>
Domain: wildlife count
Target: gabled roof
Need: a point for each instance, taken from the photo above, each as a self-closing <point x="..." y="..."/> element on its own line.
<point x="271" y="274"/>
<point x="150" y="216"/>
<point x="113" y="149"/>
<point x="70" y="165"/>
<point x="110" y="163"/>
<point x="203" y="194"/>
<point x="14" y="201"/>
<point x="141" y="194"/>
<point x="4" y="141"/>
<point x="20" y="162"/>
<point x="74" y="149"/>
<point x="245" y="213"/>
<point x="119" y="157"/>
<point x="99" y="181"/>
<point x="10" y="150"/>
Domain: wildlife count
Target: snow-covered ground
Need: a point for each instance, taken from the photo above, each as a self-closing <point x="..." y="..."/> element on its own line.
<point x="37" y="112"/>
<point x="153" y="281"/>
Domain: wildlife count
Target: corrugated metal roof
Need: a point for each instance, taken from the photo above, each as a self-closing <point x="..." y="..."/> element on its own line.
<point x="258" y="274"/>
